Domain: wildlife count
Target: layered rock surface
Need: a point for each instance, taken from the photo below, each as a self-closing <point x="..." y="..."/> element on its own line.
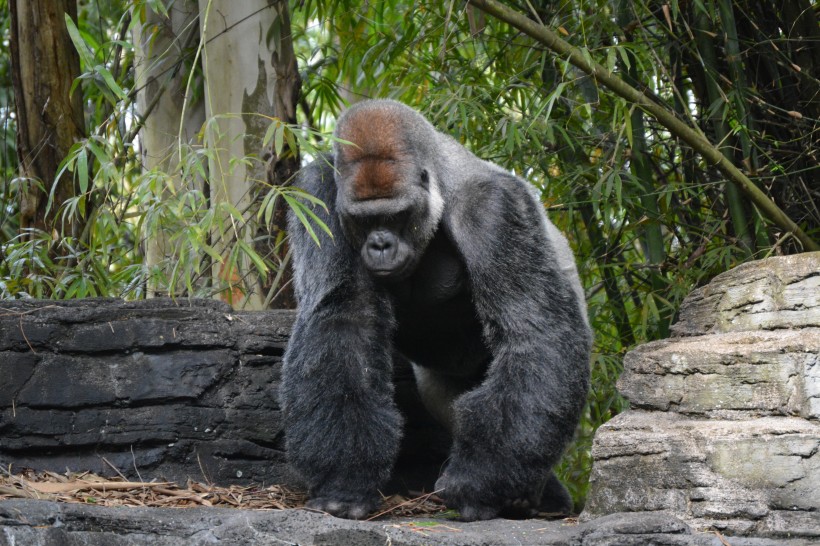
<point x="169" y="389"/>
<point x="724" y="430"/>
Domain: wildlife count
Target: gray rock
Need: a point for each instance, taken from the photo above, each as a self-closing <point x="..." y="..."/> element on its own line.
<point x="131" y="378"/>
<point x="725" y="426"/>
<point x="757" y="477"/>
<point x="731" y="375"/>
<point x="53" y="524"/>
<point x="103" y="324"/>
<point x="775" y="293"/>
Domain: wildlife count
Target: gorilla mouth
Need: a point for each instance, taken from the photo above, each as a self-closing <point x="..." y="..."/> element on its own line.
<point x="397" y="272"/>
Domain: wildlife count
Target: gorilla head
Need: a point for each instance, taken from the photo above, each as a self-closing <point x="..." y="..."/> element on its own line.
<point x="389" y="201"/>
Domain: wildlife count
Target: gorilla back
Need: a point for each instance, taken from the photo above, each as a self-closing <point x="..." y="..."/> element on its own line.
<point x="451" y="261"/>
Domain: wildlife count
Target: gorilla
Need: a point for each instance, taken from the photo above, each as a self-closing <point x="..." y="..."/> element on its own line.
<point x="450" y="262"/>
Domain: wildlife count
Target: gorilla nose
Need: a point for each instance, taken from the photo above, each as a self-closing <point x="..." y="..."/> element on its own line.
<point x="385" y="255"/>
<point x="381" y="243"/>
<point x="381" y="248"/>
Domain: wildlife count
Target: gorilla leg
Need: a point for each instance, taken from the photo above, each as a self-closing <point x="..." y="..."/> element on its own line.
<point x="439" y="391"/>
<point x="545" y="492"/>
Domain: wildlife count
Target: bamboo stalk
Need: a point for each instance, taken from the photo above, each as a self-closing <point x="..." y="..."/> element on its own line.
<point x="744" y="118"/>
<point x="665" y="117"/>
<point x="642" y="171"/>
<point x="620" y="316"/>
<point x="706" y="49"/>
<point x="653" y="237"/>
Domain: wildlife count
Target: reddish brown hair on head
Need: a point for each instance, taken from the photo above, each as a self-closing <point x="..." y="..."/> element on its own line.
<point x="375" y="154"/>
<point x="375" y="179"/>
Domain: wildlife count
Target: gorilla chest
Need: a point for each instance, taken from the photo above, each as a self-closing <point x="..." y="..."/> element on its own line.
<point x="437" y="323"/>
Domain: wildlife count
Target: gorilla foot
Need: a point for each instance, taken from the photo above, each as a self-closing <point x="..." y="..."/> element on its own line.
<point x="342" y="508"/>
<point x="460" y="495"/>
<point x="518" y="509"/>
<point x="555" y="498"/>
<point x="476" y="512"/>
<point x="509" y="508"/>
<point x="474" y="503"/>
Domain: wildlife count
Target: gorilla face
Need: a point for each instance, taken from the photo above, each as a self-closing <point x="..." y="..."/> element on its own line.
<point x="391" y="233"/>
<point x="388" y="197"/>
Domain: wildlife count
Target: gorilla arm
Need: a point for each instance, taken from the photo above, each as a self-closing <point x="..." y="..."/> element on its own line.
<point x="343" y="428"/>
<point x="513" y="427"/>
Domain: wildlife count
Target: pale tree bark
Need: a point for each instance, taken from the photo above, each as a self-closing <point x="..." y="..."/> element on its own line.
<point x="249" y="69"/>
<point x="49" y="118"/>
<point x="160" y="46"/>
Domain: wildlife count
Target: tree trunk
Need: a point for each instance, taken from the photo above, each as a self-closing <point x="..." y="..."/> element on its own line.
<point x="161" y="43"/>
<point x="250" y="68"/>
<point x="49" y="118"/>
<point x="282" y="168"/>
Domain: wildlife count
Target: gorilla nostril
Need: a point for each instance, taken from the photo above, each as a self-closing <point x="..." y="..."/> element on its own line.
<point x="380" y="241"/>
<point x="379" y="244"/>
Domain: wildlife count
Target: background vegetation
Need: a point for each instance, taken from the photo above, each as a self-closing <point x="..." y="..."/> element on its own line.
<point x="649" y="218"/>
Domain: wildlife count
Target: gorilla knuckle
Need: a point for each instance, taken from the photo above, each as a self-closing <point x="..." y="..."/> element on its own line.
<point x="341" y="509"/>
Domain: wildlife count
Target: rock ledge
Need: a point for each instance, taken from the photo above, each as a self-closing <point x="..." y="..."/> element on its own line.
<point x="52" y="524"/>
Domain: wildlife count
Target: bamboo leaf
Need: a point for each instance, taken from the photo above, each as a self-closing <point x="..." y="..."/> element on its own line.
<point x="113" y="86"/>
<point x="269" y="133"/>
<point x="82" y="170"/>
<point x="279" y="140"/>
<point x="86" y="56"/>
<point x="254" y="256"/>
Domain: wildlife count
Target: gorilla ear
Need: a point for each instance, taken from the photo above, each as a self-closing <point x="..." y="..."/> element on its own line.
<point x="425" y="179"/>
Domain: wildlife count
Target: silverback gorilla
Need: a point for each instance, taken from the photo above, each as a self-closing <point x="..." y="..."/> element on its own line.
<point x="450" y="262"/>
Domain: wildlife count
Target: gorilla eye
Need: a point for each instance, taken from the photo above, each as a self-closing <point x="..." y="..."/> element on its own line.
<point x="425" y="179"/>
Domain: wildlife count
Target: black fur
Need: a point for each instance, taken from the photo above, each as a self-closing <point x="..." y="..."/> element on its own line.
<point x="467" y="278"/>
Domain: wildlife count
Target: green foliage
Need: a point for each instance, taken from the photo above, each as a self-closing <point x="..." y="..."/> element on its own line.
<point x="122" y="205"/>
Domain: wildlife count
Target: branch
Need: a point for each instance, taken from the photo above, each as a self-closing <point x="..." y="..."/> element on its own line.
<point x="664" y="116"/>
